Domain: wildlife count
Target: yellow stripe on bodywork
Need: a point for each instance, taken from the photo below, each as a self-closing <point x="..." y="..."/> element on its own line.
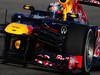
<point x="16" y="28"/>
<point x="17" y="44"/>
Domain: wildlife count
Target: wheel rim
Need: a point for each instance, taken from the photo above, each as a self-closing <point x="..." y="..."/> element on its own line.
<point x="88" y="55"/>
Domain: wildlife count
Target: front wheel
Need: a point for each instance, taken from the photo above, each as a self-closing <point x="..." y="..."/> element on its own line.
<point x="80" y="42"/>
<point x="16" y="48"/>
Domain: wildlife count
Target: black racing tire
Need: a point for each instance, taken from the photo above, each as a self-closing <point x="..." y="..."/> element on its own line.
<point x="21" y="52"/>
<point x="80" y="42"/>
<point x="6" y="48"/>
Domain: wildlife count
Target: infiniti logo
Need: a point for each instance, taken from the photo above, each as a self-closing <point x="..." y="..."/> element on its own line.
<point x="63" y="30"/>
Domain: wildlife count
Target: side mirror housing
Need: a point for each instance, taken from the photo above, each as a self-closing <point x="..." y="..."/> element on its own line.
<point x="28" y="7"/>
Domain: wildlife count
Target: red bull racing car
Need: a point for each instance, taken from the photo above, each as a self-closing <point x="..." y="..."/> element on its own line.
<point x="60" y="38"/>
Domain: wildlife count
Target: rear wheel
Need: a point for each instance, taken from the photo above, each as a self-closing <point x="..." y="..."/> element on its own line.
<point x="16" y="48"/>
<point x="80" y="42"/>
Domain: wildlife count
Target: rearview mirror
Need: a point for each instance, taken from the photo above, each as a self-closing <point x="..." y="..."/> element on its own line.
<point x="29" y="7"/>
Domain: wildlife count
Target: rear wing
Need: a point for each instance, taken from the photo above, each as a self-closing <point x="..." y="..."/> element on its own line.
<point x="95" y="3"/>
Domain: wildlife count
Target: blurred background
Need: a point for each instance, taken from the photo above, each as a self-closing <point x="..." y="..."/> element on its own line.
<point x="13" y="6"/>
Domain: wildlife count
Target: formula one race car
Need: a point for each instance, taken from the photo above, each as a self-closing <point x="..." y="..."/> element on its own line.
<point x="59" y="38"/>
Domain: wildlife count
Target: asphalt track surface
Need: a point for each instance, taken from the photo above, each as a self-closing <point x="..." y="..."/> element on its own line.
<point x="16" y="5"/>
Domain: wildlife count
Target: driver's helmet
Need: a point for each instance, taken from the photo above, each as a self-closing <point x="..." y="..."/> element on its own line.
<point x="55" y="9"/>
